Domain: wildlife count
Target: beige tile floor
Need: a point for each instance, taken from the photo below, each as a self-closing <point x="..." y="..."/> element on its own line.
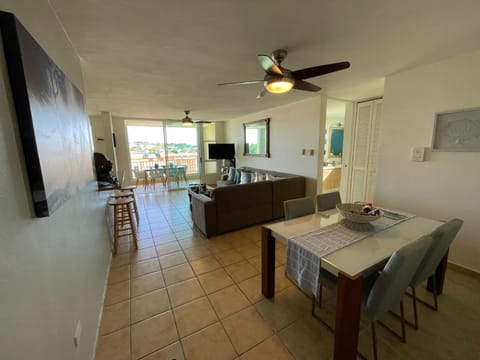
<point x="182" y="296"/>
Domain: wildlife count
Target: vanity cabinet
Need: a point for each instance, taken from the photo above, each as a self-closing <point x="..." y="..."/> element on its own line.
<point x="331" y="178"/>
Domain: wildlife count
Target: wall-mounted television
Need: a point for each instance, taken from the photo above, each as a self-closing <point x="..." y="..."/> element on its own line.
<point x="221" y="151"/>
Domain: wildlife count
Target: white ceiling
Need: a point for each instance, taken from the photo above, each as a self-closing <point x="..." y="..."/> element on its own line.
<point x="153" y="59"/>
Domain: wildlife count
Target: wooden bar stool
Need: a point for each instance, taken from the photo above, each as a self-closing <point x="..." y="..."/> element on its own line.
<point x="123" y="224"/>
<point x="131" y="189"/>
<point x="120" y="194"/>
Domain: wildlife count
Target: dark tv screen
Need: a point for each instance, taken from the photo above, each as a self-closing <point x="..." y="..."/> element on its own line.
<point x="221" y="151"/>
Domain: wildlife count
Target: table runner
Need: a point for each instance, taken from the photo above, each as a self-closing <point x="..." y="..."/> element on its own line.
<point x="305" y="251"/>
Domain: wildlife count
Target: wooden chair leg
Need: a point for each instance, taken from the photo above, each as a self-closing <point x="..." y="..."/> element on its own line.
<point x="132" y="226"/>
<point x="115" y="229"/>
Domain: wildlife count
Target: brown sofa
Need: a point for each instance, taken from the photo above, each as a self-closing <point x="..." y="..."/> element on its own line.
<point x="240" y="205"/>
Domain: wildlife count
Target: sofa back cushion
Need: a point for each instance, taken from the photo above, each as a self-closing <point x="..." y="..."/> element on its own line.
<point x="243" y="205"/>
<point x="286" y="189"/>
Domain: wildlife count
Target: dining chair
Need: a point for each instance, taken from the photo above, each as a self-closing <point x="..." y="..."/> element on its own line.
<point x="328" y="201"/>
<point x="384" y="290"/>
<point x="298" y="207"/>
<point x="442" y="239"/>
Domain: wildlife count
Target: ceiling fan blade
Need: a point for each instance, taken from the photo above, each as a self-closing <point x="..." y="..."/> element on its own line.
<point x="304" y="85"/>
<point x="261" y="94"/>
<point x="242" y="82"/>
<point x="270" y="66"/>
<point x="202" y="122"/>
<point x="319" y="70"/>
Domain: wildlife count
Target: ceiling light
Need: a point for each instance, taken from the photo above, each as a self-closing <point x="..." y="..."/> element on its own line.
<point x="279" y="85"/>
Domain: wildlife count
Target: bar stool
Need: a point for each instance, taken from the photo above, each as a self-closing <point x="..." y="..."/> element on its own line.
<point x="131" y="189"/>
<point x="123" y="224"/>
<point x="120" y="194"/>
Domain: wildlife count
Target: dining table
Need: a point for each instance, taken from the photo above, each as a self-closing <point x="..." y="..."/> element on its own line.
<point x="349" y="264"/>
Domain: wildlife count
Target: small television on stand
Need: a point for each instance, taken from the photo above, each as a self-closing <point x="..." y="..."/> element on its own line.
<point x="222" y="152"/>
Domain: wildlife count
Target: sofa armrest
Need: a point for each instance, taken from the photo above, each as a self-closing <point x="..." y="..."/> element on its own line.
<point x="204" y="214"/>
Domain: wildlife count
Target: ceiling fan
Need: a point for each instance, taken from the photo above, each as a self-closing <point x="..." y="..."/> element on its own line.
<point x="279" y="80"/>
<point x="187" y="120"/>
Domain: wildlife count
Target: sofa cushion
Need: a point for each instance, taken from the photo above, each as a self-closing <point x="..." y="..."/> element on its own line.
<point x="246" y="177"/>
<point x="231" y="174"/>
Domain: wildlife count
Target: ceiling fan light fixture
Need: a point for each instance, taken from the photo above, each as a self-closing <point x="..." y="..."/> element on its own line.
<point x="279" y="85"/>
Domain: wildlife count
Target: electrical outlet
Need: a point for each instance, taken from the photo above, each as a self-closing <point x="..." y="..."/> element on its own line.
<point x="304" y="152"/>
<point x="78" y="334"/>
<point x="312" y="152"/>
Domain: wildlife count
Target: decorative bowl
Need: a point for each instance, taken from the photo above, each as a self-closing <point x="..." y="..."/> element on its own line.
<point x="356" y="214"/>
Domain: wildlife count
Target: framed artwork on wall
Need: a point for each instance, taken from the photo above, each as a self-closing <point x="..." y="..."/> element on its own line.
<point x="52" y="123"/>
<point x="457" y="130"/>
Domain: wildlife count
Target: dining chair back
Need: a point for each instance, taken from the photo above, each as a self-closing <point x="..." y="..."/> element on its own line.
<point x="389" y="287"/>
<point x="442" y="239"/>
<point x="298" y="207"/>
<point x="327" y="201"/>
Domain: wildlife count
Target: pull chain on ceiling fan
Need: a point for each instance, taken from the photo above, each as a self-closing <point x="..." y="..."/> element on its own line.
<point x="278" y="80"/>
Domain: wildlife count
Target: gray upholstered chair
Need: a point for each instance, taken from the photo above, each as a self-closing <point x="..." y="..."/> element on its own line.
<point x="388" y="289"/>
<point x="298" y="207"/>
<point x="442" y="238"/>
<point x="328" y="201"/>
<point x="385" y="290"/>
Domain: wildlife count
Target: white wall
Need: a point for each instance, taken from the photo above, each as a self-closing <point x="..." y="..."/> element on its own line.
<point x="293" y="127"/>
<point x="447" y="184"/>
<point x="52" y="270"/>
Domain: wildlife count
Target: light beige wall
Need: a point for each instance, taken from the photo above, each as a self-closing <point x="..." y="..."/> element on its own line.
<point x="293" y="127"/>
<point x="52" y="270"/>
<point x="447" y="184"/>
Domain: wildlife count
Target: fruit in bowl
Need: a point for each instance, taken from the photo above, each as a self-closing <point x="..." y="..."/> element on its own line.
<point x="362" y="213"/>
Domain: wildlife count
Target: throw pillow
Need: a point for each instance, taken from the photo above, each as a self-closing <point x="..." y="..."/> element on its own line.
<point x="261" y="177"/>
<point x="255" y="177"/>
<point x="238" y="175"/>
<point x="231" y="174"/>
<point x="246" y="177"/>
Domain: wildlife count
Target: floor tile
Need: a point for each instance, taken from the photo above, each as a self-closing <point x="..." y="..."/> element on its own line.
<point x="228" y="257"/>
<point x="228" y="301"/>
<point x="143" y="254"/>
<point x="184" y="292"/>
<point x="241" y="271"/>
<point x="120" y="260"/>
<point x="248" y="251"/>
<point x="150" y="304"/>
<point x="246" y="329"/>
<point x="117" y="292"/>
<point x="172" y="259"/>
<point x="115" y="317"/>
<point x="160" y="237"/>
<point x="114" y="346"/>
<point x="252" y="288"/>
<point x="194" y="316"/>
<point x="171" y="352"/>
<point x="211" y="343"/>
<point x="144" y="267"/>
<point x="196" y="253"/>
<point x="215" y="280"/>
<point x="119" y="274"/>
<point x="205" y="265"/>
<point x="147" y="283"/>
<point x="178" y="273"/>
<point x="168" y="248"/>
<point x="153" y="334"/>
<point x="272" y="348"/>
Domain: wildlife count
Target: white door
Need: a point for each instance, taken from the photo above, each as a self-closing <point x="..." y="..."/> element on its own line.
<point x="365" y="144"/>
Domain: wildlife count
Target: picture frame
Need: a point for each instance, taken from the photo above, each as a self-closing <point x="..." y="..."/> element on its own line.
<point x="51" y="120"/>
<point x="457" y="130"/>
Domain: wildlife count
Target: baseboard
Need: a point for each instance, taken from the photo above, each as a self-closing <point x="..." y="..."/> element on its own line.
<point x="464" y="270"/>
<point x="99" y="323"/>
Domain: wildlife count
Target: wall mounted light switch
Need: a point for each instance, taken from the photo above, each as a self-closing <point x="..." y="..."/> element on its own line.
<point x="304" y="152"/>
<point x="312" y="152"/>
<point x="417" y="154"/>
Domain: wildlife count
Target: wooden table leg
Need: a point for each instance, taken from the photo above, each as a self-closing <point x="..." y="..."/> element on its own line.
<point x="268" y="263"/>
<point x="439" y="275"/>
<point x="347" y="319"/>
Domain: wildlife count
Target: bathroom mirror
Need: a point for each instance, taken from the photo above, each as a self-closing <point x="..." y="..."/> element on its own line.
<point x="256" y="137"/>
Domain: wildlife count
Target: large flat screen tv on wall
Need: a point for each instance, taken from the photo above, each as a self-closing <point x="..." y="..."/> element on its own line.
<point x="221" y="151"/>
